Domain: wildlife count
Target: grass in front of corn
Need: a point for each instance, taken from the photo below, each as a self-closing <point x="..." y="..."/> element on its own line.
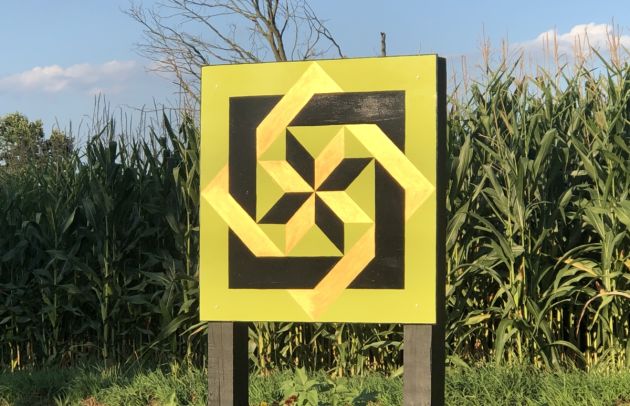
<point x="175" y="384"/>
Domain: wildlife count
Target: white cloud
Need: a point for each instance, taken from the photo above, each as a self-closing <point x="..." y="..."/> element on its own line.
<point x="111" y="90"/>
<point x="84" y="77"/>
<point x="580" y="39"/>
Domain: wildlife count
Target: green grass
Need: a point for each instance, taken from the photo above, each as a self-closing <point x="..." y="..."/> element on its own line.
<point x="177" y="385"/>
<point x="375" y="389"/>
<point x="491" y="385"/>
<point x="94" y="386"/>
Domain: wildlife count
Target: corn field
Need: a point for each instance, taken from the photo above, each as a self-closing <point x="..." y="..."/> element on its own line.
<point x="99" y="250"/>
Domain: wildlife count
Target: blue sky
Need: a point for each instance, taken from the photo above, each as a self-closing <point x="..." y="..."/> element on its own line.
<point x="58" y="55"/>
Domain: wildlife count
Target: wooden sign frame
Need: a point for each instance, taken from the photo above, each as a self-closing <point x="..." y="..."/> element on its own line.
<point x="227" y="94"/>
<point x="319" y="185"/>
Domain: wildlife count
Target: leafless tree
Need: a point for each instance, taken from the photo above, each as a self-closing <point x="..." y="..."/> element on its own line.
<point x="180" y="36"/>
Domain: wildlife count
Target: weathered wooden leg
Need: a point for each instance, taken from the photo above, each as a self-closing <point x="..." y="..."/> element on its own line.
<point x="227" y="364"/>
<point x="423" y="360"/>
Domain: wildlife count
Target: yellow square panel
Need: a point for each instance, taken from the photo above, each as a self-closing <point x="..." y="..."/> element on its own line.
<point x="320" y="194"/>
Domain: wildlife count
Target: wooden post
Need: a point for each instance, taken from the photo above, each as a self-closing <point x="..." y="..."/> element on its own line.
<point x="228" y="373"/>
<point x="423" y="360"/>
<point x="383" y="45"/>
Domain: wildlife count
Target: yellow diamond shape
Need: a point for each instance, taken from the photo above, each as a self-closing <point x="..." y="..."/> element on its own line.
<point x="315" y="138"/>
<point x="362" y="192"/>
<point x="315" y="244"/>
<point x="268" y="192"/>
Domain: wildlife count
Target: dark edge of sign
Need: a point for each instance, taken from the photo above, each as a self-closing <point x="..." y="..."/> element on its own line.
<point x="438" y="333"/>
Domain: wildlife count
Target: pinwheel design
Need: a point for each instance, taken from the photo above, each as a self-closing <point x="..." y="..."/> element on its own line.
<point x="317" y="191"/>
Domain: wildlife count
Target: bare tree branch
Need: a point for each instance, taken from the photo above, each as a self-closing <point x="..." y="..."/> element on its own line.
<point x="180" y="36"/>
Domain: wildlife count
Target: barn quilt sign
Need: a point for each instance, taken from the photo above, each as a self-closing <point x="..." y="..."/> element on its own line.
<point x="318" y="191"/>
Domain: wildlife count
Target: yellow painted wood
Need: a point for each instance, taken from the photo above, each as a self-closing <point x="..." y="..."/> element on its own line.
<point x="330" y="301"/>
<point x="361" y="190"/>
<point x="316" y="138"/>
<point x="268" y="192"/>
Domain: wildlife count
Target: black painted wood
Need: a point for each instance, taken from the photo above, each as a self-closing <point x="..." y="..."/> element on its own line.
<point x="385" y="109"/>
<point x="248" y="271"/>
<point x="329" y="223"/>
<point x="345" y="174"/>
<point x="227" y="364"/>
<point x="386" y="270"/>
<point x="245" y="115"/>
<point x="285" y="208"/>
<point x="300" y="159"/>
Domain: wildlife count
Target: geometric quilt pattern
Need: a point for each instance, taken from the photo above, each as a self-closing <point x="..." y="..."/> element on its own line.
<point x="317" y="193"/>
